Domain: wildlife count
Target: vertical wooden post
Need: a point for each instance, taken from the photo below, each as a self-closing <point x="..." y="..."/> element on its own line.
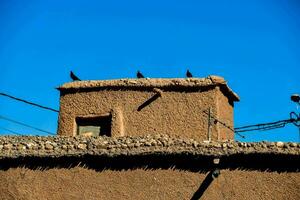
<point x="209" y="125"/>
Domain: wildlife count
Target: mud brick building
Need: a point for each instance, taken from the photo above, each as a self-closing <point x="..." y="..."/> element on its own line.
<point x="161" y="154"/>
<point x="175" y="107"/>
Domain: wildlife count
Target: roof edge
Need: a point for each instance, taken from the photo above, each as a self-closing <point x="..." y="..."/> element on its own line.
<point x="211" y="80"/>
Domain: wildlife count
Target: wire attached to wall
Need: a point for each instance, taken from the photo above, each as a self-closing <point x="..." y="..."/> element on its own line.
<point x="261" y="126"/>
<point x="223" y="124"/>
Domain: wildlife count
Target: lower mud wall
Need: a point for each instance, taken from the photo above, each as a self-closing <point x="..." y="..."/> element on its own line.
<point x="83" y="183"/>
<point x="181" y="170"/>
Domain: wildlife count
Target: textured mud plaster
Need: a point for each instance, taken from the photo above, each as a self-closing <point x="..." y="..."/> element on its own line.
<point x="224" y="114"/>
<point x="173" y="184"/>
<point x="149" y="106"/>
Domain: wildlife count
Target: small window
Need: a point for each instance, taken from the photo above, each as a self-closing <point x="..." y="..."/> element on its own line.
<point x="94" y="126"/>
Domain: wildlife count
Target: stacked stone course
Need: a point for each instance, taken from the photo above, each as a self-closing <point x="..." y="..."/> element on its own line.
<point x="13" y="147"/>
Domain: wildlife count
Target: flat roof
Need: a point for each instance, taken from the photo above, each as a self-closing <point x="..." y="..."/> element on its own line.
<point x="162" y="83"/>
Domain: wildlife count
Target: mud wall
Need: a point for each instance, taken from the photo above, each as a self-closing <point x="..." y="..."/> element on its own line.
<point x="84" y="183"/>
<point x="225" y="114"/>
<point x="175" y="113"/>
<point x="146" y="167"/>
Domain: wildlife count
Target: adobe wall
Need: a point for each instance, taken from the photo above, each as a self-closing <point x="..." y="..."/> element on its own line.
<point x="225" y="114"/>
<point x="146" y="106"/>
<point x="165" y="184"/>
<point x="176" y="113"/>
<point x="146" y="167"/>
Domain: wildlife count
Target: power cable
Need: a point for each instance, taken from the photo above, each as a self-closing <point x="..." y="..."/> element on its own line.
<point x="28" y="102"/>
<point x="265" y="126"/>
<point x="26" y="125"/>
<point x="6" y="129"/>
<point x="223" y="124"/>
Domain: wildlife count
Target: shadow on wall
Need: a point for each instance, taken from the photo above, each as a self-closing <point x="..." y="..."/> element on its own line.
<point x="205" y="184"/>
<point x="149" y="101"/>
<point x="188" y="162"/>
<point x="139" y="88"/>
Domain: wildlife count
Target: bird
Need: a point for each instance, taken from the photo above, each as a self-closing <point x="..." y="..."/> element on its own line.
<point x="139" y="75"/>
<point x="74" y="77"/>
<point x="189" y="74"/>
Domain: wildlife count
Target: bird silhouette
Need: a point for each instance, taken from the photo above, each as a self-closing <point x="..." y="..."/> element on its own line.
<point x="74" y="77"/>
<point x="189" y="74"/>
<point x="139" y="75"/>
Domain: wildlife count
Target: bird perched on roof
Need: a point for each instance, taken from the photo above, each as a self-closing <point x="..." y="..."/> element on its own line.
<point x="139" y="75"/>
<point x="74" y="77"/>
<point x="189" y="74"/>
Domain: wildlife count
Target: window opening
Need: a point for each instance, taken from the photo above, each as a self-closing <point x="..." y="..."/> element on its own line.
<point x="94" y="126"/>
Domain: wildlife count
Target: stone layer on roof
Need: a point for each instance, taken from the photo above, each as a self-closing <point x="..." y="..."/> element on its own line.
<point x="162" y="83"/>
<point x="28" y="146"/>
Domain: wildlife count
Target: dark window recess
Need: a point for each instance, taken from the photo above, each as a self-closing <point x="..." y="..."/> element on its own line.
<point x="94" y="126"/>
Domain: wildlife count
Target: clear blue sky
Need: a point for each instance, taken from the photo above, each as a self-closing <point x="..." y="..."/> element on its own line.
<point x="254" y="45"/>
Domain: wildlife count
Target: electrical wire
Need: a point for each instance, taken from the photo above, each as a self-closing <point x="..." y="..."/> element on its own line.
<point x="28" y="102"/>
<point x="265" y="126"/>
<point x="26" y="125"/>
<point x="223" y="124"/>
<point x="6" y="129"/>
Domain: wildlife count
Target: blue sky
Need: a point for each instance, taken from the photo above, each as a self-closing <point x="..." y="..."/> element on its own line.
<point x="254" y="45"/>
